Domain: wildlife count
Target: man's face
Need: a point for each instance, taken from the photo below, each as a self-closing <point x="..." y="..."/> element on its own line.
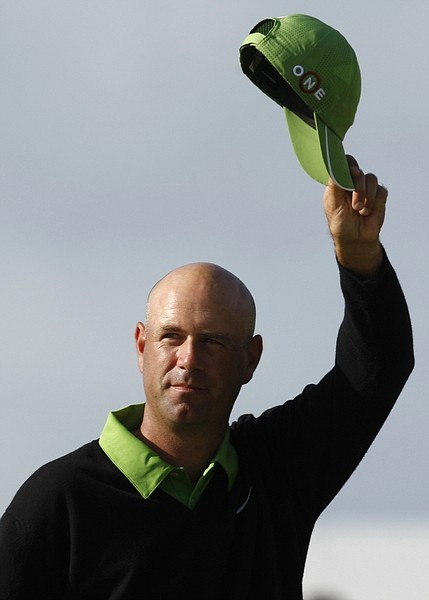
<point x="195" y="351"/>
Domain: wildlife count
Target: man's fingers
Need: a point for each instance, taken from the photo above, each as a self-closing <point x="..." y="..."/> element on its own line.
<point x="368" y="192"/>
<point x="383" y="191"/>
<point x="353" y="165"/>
<point x="365" y="193"/>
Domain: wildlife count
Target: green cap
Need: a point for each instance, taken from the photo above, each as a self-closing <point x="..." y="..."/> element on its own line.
<point x="311" y="70"/>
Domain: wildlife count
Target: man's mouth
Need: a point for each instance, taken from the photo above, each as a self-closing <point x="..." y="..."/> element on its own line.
<point x="187" y="387"/>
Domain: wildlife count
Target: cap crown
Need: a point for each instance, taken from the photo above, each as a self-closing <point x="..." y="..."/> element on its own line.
<point x="318" y="64"/>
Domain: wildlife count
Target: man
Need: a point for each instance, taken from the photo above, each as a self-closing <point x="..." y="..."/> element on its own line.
<point x="173" y="502"/>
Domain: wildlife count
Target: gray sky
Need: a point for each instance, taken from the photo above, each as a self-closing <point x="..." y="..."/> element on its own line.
<point x="132" y="143"/>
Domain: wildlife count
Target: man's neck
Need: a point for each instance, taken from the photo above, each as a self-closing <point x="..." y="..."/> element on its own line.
<point x="191" y="451"/>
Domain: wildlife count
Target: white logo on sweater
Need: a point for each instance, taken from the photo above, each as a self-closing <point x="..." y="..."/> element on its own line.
<point x="243" y="506"/>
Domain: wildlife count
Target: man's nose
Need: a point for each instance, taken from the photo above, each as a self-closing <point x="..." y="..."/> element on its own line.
<point x="189" y="356"/>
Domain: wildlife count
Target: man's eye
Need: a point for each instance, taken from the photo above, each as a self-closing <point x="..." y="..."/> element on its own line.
<point x="210" y="340"/>
<point x="171" y="335"/>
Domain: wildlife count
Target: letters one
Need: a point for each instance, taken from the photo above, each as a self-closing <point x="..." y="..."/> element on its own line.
<point x="309" y="82"/>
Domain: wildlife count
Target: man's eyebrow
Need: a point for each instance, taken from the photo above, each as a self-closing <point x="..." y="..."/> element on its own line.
<point x="167" y="327"/>
<point x="218" y="335"/>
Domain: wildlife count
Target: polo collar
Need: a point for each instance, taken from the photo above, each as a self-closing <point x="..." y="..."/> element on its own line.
<point x="145" y="469"/>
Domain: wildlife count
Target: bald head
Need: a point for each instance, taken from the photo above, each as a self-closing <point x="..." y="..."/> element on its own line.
<point x="215" y="284"/>
<point x="195" y="351"/>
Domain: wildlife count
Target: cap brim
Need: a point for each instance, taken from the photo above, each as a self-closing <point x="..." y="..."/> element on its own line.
<point x="319" y="151"/>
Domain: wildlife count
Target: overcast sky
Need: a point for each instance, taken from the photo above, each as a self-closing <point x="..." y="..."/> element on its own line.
<point x="132" y="143"/>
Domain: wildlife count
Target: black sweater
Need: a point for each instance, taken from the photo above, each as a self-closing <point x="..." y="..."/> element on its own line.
<point x="78" y="529"/>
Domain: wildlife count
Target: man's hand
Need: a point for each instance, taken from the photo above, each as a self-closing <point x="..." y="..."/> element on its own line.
<point x="355" y="220"/>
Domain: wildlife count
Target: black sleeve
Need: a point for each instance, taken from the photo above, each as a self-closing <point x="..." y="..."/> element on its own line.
<point x="318" y="438"/>
<point x="35" y="535"/>
<point x="374" y="359"/>
<point x="30" y="567"/>
<point x="374" y="346"/>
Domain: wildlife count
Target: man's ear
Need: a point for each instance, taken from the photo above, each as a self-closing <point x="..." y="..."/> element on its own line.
<point x="140" y="338"/>
<point x="254" y="353"/>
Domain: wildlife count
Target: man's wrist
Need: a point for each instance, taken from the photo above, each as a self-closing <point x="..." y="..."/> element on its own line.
<point x="362" y="259"/>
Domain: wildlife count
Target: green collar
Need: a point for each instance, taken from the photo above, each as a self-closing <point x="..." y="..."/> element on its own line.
<point x="146" y="470"/>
